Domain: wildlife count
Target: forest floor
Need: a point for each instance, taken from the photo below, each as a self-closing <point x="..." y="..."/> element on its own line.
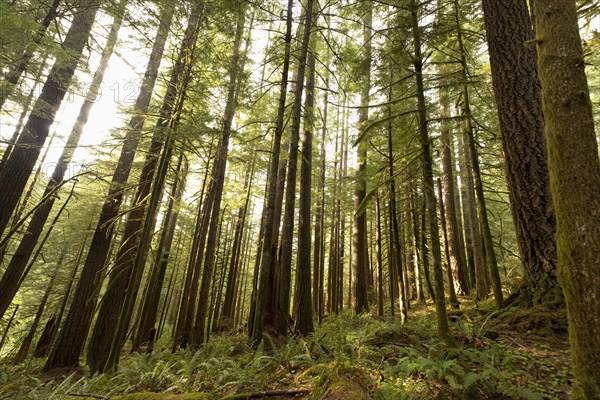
<point x="507" y="354"/>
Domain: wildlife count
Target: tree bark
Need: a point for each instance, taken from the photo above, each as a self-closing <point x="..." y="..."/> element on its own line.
<point x="218" y="179"/>
<point x="379" y="258"/>
<point x="149" y="310"/>
<point x="287" y="229"/>
<point x="266" y="265"/>
<point x="517" y="92"/>
<point x="451" y="288"/>
<point x="575" y="179"/>
<point x="456" y="253"/>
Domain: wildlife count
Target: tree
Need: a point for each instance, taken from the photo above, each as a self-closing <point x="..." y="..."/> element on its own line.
<point x="302" y="294"/>
<point x="218" y="180"/>
<point x="72" y="336"/>
<point x="428" y="184"/>
<point x="360" y="261"/>
<point x="150" y="303"/>
<point x="517" y="91"/>
<point x="265" y="269"/>
<point x="18" y="263"/>
<point x="22" y="159"/>
<point x="126" y="275"/>
<point x="575" y="179"/>
<point x="12" y="76"/>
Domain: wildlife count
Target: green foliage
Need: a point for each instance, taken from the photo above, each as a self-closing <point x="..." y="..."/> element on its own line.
<point x="348" y="357"/>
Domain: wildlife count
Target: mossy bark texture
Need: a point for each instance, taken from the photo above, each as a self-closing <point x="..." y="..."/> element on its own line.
<point x="575" y="179"/>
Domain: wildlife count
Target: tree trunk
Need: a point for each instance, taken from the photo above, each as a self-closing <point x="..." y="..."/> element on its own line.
<point x="18" y="167"/>
<point x="136" y="268"/>
<point x="287" y="229"/>
<point x="24" y="349"/>
<point x="319" y="239"/>
<point x="187" y="306"/>
<point x="45" y="342"/>
<point x="302" y="296"/>
<point x="12" y="76"/>
<point x="234" y="276"/>
<point x="8" y="326"/>
<point x="18" y="263"/>
<point x="26" y="109"/>
<point x="451" y="288"/>
<point x="575" y="179"/>
<point x="266" y="265"/>
<point x="456" y="254"/>
<point x="428" y="185"/>
<point x="218" y="179"/>
<point x="360" y="262"/>
<point x="379" y="259"/>
<point x="151" y="301"/>
<point x="74" y="332"/>
<point x="517" y="92"/>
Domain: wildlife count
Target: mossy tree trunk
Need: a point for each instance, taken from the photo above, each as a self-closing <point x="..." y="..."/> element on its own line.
<point x="575" y="179"/>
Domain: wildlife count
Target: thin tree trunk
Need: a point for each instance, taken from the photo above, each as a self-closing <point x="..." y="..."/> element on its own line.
<point x="150" y="304"/>
<point x="428" y="184"/>
<point x="228" y="312"/>
<point x="318" y="255"/>
<point x="218" y="178"/>
<point x="456" y="255"/>
<point x="451" y="287"/>
<point x="135" y="271"/>
<point x="47" y="338"/>
<point x="265" y="267"/>
<point x="302" y="296"/>
<point x="8" y="326"/>
<point x="24" y="349"/>
<point x="287" y="229"/>
<point x="26" y="109"/>
<point x="183" y="327"/>
<point x="379" y="259"/>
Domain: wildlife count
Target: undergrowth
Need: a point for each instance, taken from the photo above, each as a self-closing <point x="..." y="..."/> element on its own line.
<point x="348" y="357"/>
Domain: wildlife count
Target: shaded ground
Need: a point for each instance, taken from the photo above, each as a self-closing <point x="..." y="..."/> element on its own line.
<point x="510" y="354"/>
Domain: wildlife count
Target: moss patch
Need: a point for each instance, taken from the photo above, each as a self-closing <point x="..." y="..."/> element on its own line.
<point x="340" y="381"/>
<point x="162" y="396"/>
